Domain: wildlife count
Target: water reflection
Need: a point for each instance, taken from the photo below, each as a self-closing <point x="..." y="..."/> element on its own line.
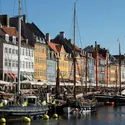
<point x="2" y="123"/>
<point x="107" y="115"/>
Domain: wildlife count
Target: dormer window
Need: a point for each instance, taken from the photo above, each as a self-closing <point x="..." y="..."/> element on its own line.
<point x="7" y="37"/>
<point x="14" y="40"/>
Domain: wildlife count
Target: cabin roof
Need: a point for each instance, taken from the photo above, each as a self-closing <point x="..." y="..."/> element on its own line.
<point x="32" y="96"/>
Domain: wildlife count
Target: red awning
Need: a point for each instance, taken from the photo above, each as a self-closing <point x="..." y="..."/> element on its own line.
<point x="12" y="76"/>
<point x="8" y="75"/>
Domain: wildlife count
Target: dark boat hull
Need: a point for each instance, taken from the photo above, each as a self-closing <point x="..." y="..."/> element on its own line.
<point x="104" y="98"/>
<point x="117" y="100"/>
<point x="18" y="112"/>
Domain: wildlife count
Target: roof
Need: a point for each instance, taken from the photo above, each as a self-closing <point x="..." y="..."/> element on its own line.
<point x="22" y="43"/>
<point x="77" y="48"/>
<point x="89" y="49"/>
<point x="2" y="32"/>
<point x="35" y="30"/>
<point x="11" y="31"/>
<point x="25" y="31"/>
<point x="66" y="43"/>
<point x="119" y="56"/>
<point x="55" y="47"/>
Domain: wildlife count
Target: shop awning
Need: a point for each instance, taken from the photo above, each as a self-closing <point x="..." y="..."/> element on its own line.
<point x="9" y="76"/>
<point x="15" y="76"/>
<point x="12" y="76"/>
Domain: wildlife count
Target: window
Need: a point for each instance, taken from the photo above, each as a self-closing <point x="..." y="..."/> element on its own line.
<point x="26" y="52"/>
<point x="13" y="63"/>
<point x="29" y="65"/>
<point x="13" y="51"/>
<point x="36" y="60"/>
<point x="32" y="64"/>
<point x="5" y="50"/>
<point x="17" y="52"/>
<point x="9" y="50"/>
<point x="29" y="52"/>
<point x="43" y="50"/>
<point x="5" y="62"/>
<point x="16" y="63"/>
<point x="32" y="53"/>
<point x="22" y="51"/>
<point x="10" y="63"/>
<point x="23" y="64"/>
<point x="26" y="64"/>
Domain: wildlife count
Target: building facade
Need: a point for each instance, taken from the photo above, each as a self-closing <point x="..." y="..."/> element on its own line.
<point x="9" y="64"/>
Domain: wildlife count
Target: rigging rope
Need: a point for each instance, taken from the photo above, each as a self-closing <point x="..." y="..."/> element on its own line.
<point x="14" y="7"/>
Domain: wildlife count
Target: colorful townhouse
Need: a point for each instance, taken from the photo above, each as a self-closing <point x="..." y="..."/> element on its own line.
<point x="122" y="59"/>
<point x="9" y="56"/>
<point x="40" y="53"/>
<point x="65" y="58"/>
<point x="36" y="39"/>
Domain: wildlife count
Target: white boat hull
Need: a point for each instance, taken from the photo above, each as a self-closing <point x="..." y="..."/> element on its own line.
<point x="70" y="110"/>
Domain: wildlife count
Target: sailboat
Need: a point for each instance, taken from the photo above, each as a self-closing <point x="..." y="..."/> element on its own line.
<point x="33" y="108"/>
<point x="75" y="105"/>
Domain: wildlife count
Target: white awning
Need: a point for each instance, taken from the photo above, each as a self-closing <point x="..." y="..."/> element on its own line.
<point x="31" y="77"/>
<point x="28" y="77"/>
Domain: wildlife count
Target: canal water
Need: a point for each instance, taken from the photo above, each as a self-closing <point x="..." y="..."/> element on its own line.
<point x="105" y="115"/>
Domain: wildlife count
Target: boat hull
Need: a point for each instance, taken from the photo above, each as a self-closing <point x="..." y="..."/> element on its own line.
<point x="18" y="112"/>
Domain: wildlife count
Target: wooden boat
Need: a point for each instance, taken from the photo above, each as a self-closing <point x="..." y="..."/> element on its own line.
<point x="33" y="109"/>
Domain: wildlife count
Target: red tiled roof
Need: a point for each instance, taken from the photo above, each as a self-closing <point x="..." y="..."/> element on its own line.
<point x="55" y="47"/>
<point x="11" y="31"/>
<point x="77" y="48"/>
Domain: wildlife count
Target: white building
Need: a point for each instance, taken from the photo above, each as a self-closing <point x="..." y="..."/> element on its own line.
<point x="9" y="59"/>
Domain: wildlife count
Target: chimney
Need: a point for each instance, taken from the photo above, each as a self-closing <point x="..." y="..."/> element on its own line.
<point x="70" y="40"/>
<point x="62" y="34"/>
<point x="98" y="46"/>
<point x="47" y="37"/>
<point x="24" y="18"/>
<point x="5" y="20"/>
<point x="91" y="46"/>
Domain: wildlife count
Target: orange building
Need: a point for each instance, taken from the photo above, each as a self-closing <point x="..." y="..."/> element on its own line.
<point x="40" y="61"/>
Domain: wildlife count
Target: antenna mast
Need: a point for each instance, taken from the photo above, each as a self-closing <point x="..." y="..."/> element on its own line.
<point x="74" y="54"/>
<point x="119" y="68"/>
<point x="19" y="42"/>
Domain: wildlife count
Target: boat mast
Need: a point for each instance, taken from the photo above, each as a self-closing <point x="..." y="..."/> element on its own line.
<point x="86" y="71"/>
<point x="119" y="68"/>
<point x="19" y="42"/>
<point x="96" y="52"/>
<point x="57" y="77"/>
<point x="74" y="55"/>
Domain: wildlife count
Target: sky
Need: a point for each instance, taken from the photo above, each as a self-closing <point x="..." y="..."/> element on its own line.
<point x="96" y="20"/>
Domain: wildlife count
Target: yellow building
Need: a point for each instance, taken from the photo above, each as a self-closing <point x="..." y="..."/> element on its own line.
<point x="113" y="74"/>
<point x="40" y="61"/>
<point x="61" y="54"/>
<point x="63" y="64"/>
